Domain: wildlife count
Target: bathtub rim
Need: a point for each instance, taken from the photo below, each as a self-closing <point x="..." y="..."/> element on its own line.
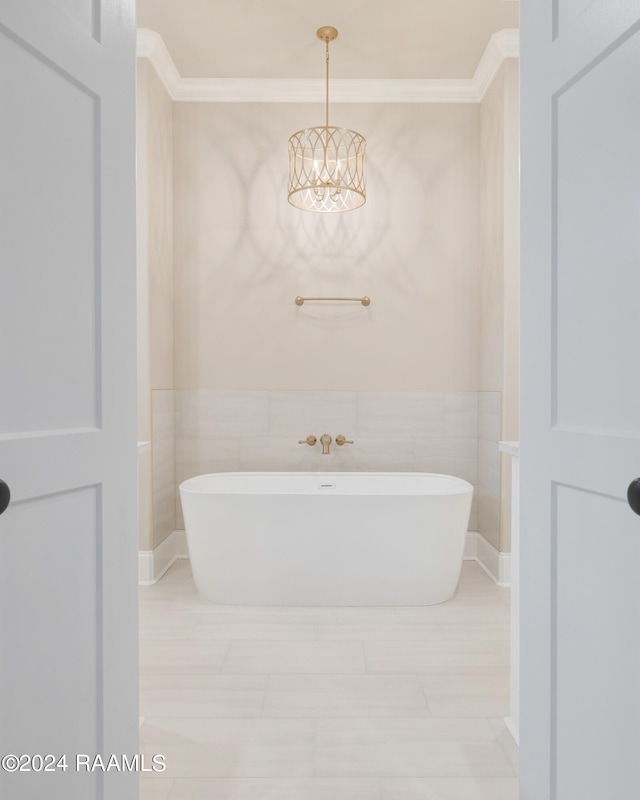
<point x="465" y="487"/>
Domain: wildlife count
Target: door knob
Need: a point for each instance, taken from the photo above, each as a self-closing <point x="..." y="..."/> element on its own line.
<point x="5" y="497"/>
<point x="633" y="495"/>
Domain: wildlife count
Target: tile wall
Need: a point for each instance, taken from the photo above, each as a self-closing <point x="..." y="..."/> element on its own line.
<point x="451" y="432"/>
<point x="163" y="456"/>
<point x="488" y="489"/>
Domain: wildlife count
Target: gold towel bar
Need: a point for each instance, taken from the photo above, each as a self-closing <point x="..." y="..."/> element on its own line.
<point x="366" y="301"/>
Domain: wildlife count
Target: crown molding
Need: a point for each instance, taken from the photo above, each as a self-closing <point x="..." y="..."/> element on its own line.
<point x="343" y="90"/>
<point x="502" y="45"/>
<point x="150" y="45"/>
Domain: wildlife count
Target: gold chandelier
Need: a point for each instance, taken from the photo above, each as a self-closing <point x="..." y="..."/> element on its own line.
<point x="327" y="164"/>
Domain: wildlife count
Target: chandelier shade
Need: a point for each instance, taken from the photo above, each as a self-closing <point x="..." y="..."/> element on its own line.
<point x="327" y="164"/>
<point x="327" y="169"/>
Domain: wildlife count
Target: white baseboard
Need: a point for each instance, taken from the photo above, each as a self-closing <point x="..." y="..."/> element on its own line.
<point x="497" y="565"/>
<point x="511" y="727"/>
<point x="471" y="546"/>
<point x="152" y="564"/>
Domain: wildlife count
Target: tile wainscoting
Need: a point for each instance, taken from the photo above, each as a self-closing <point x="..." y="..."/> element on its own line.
<point x="488" y="487"/>
<point x="201" y="431"/>
<point x="163" y="460"/>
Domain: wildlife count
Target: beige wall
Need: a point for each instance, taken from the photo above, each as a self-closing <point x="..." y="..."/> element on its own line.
<point x="242" y="253"/>
<point x="155" y="298"/>
<point x="511" y="367"/>
<point x="491" y="240"/>
<point x="498" y="296"/>
<point x="160" y="182"/>
<point x="491" y="308"/>
<point x="223" y="255"/>
<point x="511" y="364"/>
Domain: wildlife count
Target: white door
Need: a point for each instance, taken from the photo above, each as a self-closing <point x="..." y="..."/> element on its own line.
<point x="68" y="619"/>
<point x="580" y="423"/>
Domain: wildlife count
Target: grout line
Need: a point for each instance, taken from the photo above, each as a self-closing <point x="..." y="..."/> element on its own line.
<point x="315" y="747"/>
<point x="364" y="658"/>
<point x="264" y="697"/>
<point x="224" y="658"/>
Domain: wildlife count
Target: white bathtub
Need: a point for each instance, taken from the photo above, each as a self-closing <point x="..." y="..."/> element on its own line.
<point x="327" y="539"/>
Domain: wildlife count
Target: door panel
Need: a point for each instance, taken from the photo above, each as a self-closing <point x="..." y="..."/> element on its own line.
<point x="596" y="647"/>
<point x="568" y="11"/>
<point x="52" y="223"/>
<point x="51" y="642"/>
<point x="68" y="541"/>
<point x="597" y="191"/>
<point x="580" y="400"/>
<point x="84" y="12"/>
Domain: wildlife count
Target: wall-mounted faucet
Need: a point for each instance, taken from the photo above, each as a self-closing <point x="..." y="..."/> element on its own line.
<point x="325" y="441"/>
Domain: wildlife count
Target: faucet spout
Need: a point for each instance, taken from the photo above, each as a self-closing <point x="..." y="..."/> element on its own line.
<point x="325" y="441"/>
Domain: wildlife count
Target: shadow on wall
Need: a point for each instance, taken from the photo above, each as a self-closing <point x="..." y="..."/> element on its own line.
<point x="407" y="194"/>
<point x="243" y="253"/>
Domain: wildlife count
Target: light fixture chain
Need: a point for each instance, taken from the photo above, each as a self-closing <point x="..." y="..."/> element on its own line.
<point x="327" y="85"/>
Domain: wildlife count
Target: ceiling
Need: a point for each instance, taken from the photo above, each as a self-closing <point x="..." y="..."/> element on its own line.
<point x="277" y="38"/>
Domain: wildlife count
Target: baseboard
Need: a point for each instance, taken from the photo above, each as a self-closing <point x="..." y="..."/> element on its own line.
<point x="511" y="727"/>
<point x="471" y="546"/>
<point x="497" y="565"/>
<point x="152" y="564"/>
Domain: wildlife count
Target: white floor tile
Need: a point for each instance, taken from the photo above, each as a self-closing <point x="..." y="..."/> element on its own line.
<point x="260" y="627"/>
<point x="392" y="630"/>
<point x="423" y="657"/>
<point x="506" y="741"/>
<point x="276" y="789"/>
<point x="460" y="694"/>
<point x="473" y="632"/>
<point x="468" y="610"/>
<point x="231" y="748"/>
<point x="344" y="696"/>
<point x="189" y="601"/>
<point x="167" y="625"/>
<point x="449" y="789"/>
<point x="294" y="657"/>
<point x="282" y="703"/>
<point x="409" y="748"/>
<point x="155" y="788"/>
<point x="183" y="656"/>
<point x="202" y="695"/>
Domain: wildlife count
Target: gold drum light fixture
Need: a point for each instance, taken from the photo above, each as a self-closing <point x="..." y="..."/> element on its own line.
<point x="327" y="164"/>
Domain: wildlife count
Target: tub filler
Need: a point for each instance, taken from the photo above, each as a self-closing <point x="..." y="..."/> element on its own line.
<point x="326" y="539"/>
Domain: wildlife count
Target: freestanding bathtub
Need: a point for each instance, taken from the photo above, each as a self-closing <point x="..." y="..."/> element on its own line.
<point x="326" y="539"/>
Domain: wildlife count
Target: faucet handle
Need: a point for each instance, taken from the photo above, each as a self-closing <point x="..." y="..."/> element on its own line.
<point x="310" y="440"/>
<point x="340" y="439"/>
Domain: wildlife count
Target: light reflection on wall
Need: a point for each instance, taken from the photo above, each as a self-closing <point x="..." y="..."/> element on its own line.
<point x="242" y="253"/>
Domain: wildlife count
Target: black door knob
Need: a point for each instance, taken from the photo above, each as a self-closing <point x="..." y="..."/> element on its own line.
<point x="5" y="497"/>
<point x="633" y="495"/>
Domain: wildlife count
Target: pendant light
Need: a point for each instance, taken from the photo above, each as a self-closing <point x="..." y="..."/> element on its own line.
<point x="327" y="164"/>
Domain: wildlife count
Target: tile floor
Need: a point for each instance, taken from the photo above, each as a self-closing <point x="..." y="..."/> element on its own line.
<point x="254" y="703"/>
